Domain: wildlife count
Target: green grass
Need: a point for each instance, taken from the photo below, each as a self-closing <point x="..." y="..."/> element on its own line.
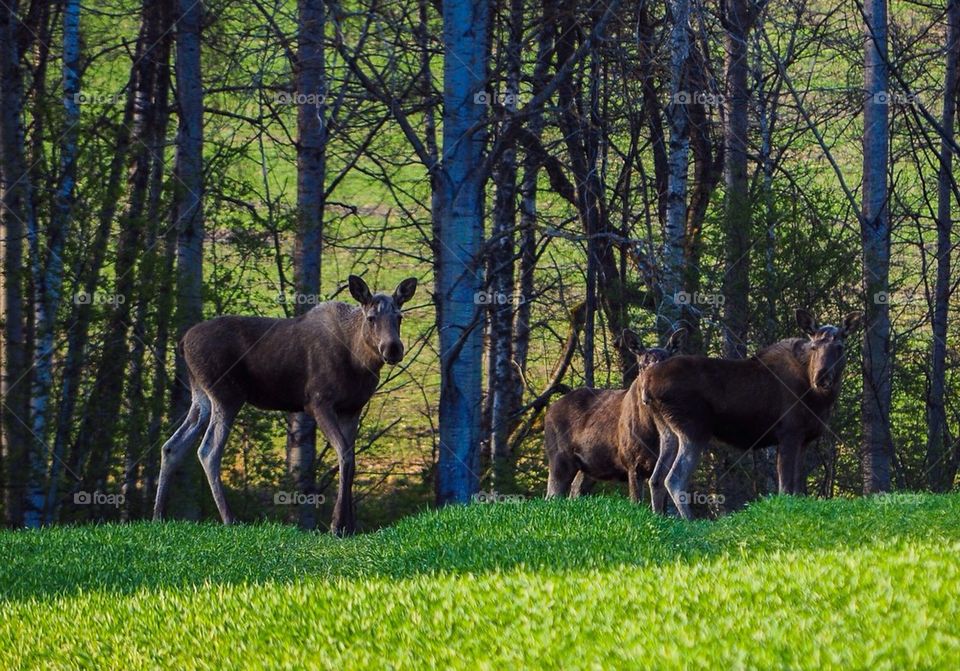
<point x="593" y="583"/>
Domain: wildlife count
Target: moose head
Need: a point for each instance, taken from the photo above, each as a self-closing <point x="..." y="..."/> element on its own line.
<point x="827" y="348"/>
<point x="647" y="356"/>
<point x="382" y="316"/>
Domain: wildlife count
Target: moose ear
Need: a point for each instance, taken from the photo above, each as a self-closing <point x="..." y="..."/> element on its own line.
<point x="806" y="322"/>
<point x="405" y="291"/>
<point x="359" y="290"/>
<point x="677" y="340"/>
<point x="630" y="341"/>
<point x="852" y="322"/>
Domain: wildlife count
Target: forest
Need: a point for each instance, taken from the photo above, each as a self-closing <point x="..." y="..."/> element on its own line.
<point x="550" y="172"/>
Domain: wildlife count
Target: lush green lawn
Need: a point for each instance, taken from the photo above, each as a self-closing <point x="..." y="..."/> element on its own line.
<point x="594" y="583"/>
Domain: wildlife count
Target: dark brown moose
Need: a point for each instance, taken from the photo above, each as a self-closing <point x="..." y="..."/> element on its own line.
<point x="781" y="396"/>
<point x="326" y="362"/>
<point x="605" y="434"/>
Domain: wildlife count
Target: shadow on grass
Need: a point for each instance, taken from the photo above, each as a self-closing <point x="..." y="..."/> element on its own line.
<point x="596" y="533"/>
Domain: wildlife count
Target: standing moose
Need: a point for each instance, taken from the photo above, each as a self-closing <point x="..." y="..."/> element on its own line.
<point x="605" y="434"/>
<point x="326" y="362"/>
<point x="781" y="396"/>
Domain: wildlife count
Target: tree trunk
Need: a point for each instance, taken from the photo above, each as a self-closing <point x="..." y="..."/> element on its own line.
<point x="16" y="218"/>
<point x="188" y="213"/>
<point x="501" y="382"/>
<point x="941" y="467"/>
<point x="48" y="276"/>
<point x="875" y="239"/>
<point x="678" y="120"/>
<point x="311" y="172"/>
<point x="458" y="203"/>
<point x="528" y="221"/>
<point x="736" y="211"/>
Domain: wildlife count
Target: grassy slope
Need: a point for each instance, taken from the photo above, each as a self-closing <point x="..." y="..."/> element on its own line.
<point x="594" y="583"/>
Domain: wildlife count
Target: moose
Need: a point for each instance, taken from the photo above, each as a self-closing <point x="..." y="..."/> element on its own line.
<point x="605" y="434"/>
<point x="782" y="396"/>
<point x="326" y="362"/>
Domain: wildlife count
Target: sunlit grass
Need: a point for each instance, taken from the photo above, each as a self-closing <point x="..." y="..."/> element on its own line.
<point x="594" y="583"/>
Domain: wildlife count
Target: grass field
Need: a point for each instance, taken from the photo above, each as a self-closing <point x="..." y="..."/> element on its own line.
<point x="592" y="583"/>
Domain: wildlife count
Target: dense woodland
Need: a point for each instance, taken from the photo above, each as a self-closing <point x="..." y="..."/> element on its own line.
<point x="552" y="172"/>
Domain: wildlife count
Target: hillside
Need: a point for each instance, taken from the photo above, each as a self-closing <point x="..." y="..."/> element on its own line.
<point x="590" y="583"/>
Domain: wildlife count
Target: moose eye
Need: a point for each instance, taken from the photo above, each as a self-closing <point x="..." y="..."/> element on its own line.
<point x="371" y="318"/>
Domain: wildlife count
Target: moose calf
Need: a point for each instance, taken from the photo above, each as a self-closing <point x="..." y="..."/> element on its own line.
<point x="605" y="434"/>
<point x="326" y="362"/>
<point x="781" y="396"/>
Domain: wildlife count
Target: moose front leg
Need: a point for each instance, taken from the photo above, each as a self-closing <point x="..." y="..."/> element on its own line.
<point x="788" y="456"/>
<point x="343" y="522"/>
<point x="678" y="480"/>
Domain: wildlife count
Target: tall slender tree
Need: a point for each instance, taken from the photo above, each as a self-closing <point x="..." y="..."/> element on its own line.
<point x="48" y="264"/>
<point x="16" y="217"/>
<point x="738" y="17"/>
<point x="311" y="172"/>
<point x="458" y="211"/>
<point x="875" y="241"/>
<point x="678" y="160"/>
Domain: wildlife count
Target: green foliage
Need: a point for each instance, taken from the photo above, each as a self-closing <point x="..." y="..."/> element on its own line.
<point x="590" y="583"/>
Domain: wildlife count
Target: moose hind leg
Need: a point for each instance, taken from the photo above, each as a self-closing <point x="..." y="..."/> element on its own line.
<point x="211" y="454"/>
<point x="560" y="479"/>
<point x="668" y="453"/>
<point x="678" y="480"/>
<point x="173" y="451"/>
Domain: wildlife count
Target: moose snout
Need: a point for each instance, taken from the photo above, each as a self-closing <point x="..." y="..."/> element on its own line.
<point x="826" y="378"/>
<point x="392" y="352"/>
